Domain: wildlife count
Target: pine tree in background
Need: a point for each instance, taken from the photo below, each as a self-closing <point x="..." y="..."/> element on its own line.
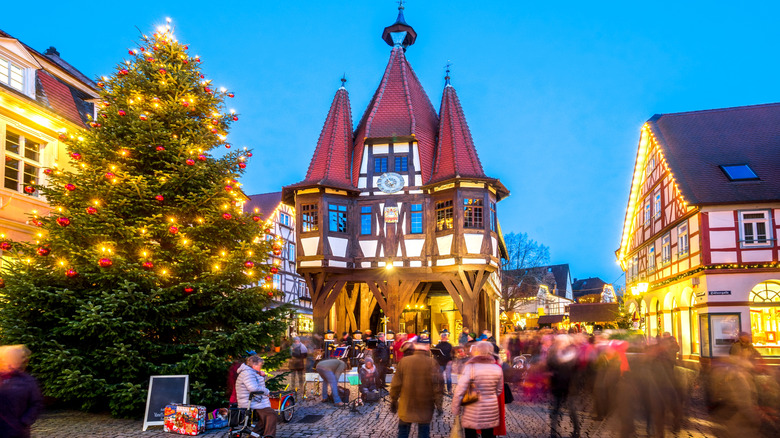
<point x="146" y="264"/>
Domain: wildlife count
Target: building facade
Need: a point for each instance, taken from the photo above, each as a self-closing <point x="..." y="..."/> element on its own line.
<point x="279" y="220"/>
<point x="397" y="220"/>
<point x="42" y="99"/>
<point x="699" y="243"/>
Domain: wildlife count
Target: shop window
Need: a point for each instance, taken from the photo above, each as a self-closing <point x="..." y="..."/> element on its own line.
<point x="444" y="215"/>
<point x="765" y="317"/>
<point x="309" y="217"/>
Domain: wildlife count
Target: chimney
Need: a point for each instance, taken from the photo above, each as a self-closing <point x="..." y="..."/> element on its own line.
<point x="51" y="51"/>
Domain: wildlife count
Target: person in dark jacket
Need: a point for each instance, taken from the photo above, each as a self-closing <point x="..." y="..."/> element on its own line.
<point x="20" y="399"/>
<point x="416" y="390"/>
<point x="445" y="360"/>
<point x="381" y="360"/>
<point x="562" y="365"/>
<point x="298" y="353"/>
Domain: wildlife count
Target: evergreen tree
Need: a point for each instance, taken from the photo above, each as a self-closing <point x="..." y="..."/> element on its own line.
<point x="146" y="264"/>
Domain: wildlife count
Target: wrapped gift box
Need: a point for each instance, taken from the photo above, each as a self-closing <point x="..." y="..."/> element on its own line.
<point x="185" y="419"/>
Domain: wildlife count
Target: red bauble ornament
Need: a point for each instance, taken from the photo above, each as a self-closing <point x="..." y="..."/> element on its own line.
<point x="277" y="251"/>
<point x="75" y="155"/>
<point x="214" y="122"/>
<point x="37" y="223"/>
<point x="142" y="49"/>
<point x="121" y="112"/>
<point x="231" y="95"/>
<point x="71" y="273"/>
<point x="173" y="229"/>
<point x="47" y="171"/>
<point x="269" y="278"/>
<point x="160" y="148"/>
<point x="163" y="71"/>
<point x="43" y="251"/>
<point x="274" y="269"/>
<point x="70" y="187"/>
<point x="202" y="157"/>
<point x="189" y="290"/>
<point x="207" y="89"/>
<point x="270" y="294"/>
<point x="242" y="165"/>
<point x="256" y="218"/>
<point x="131" y="52"/>
<point x="249" y="154"/>
<point x="235" y="118"/>
<point x="185" y="61"/>
<point x="148" y="266"/>
<point x="91" y="210"/>
<point x="101" y="84"/>
<point x="227" y="145"/>
<point x="63" y="221"/>
<point x="29" y="189"/>
<point x="143" y="117"/>
<point x="190" y="162"/>
<point x="123" y="71"/>
<point x="201" y="76"/>
<point x="249" y="264"/>
<point x="214" y="130"/>
<point x="105" y="263"/>
<point x="160" y="198"/>
<point x="185" y="103"/>
<point x="268" y="231"/>
<point x="94" y="125"/>
<point x="5" y="246"/>
<point x="110" y="175"/>
<point x="227" y="216"/>
<point x="228" y="188"/>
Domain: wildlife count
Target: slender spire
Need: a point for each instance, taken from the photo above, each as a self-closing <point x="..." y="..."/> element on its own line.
<point x="447" y="75"/>
<point x="330" y="164"/>
<point x="399" y="33"/>
<point x="344" y="81"/>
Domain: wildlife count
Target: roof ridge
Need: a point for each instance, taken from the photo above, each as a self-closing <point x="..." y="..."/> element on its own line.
<point x="714" y="110"/>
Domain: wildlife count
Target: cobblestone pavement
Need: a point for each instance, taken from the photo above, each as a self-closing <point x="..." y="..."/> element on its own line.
<point x="524" y="419"/>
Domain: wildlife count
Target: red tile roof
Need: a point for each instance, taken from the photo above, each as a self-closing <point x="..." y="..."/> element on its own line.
<point x="60" y="97"/>
<point x="399" y="108"/>
<point x="456" y="155"/>
<point x="330" y="164"/>
<point x="696" y="143"/>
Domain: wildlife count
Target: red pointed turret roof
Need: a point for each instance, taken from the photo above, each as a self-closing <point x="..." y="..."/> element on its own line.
<point x="330" y="165"/>
<point x="399" y="108"/>
<point x="456" y="155"/>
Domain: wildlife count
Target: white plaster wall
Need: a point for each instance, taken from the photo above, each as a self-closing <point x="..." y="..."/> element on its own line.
<point x="337" y="264"/>
<point x="724" y="257"/>
<point x="418" y="181"/>
<point x="309" y="245"/>
<point x="757" y="256"/>
<point x="721" y="219"/>
<point x="415" y="264"/>
<point x="310" y="263"/>
<point x="338" y="246"/>
<point x="364" y="162"/>
<point x="368" y="247"/>
<point x="474" y="261"/>
<point x="362" y="182"/>
<point x="445" y="262"/>
<point x="414" y="247"/>
<point x="381" y="149"/>
<point x="722" y="239"/>
<point x="401" y="148"/>
<point x="494" y="241"/>
<point x="366" y="264"/>
<point x="445" y="244"/>
<point x="474" y="242"/>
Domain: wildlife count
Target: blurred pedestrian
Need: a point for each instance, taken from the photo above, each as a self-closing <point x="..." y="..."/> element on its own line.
<point x="251" y="378"/>
<point x="488" y="379"/>
<point x="381" y="359"/>
<point x="743" y="348"/>
<point x="20" y="398"/>
<point x="298" y="354"/>
<point x="464" y="336"/>
<point x="330" y="370"/>
<point x="562" y="365"/>
<point x="445" y="360"/>
<point x="416" y="390"/>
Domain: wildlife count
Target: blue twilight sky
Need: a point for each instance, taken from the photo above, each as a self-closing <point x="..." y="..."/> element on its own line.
<point x="554" y="92"/>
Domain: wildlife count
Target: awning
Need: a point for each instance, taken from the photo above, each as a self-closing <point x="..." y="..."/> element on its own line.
<point x="550" y="319"/>
<point x="594" y="312"/>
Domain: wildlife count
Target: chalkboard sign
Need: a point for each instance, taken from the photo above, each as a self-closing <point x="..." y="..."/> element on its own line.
<point x="164" y="390"/>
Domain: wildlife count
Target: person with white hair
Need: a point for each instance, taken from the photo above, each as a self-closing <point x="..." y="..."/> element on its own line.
<point x="488" y="379"/>
<point x="251" y="379"/>
<point x="20" y="398"/>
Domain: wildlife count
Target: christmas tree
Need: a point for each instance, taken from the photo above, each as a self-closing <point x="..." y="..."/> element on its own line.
<point x="146" y="264"/>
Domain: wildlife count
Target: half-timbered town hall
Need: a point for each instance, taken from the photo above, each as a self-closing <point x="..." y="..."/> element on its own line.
<point x="396" y="219"/>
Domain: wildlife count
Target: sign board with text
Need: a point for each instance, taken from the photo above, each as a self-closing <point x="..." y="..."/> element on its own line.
<point x="164" y="390"/>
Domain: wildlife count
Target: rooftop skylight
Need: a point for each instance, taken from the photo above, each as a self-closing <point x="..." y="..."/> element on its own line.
<point x="739" y="172"/>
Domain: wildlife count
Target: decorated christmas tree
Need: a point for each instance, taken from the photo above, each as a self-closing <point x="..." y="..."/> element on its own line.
<point x="146" y="264"/>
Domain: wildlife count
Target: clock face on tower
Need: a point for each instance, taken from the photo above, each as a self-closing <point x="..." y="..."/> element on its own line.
<point x="390" y="182"/>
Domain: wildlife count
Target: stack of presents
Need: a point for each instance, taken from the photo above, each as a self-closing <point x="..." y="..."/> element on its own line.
<point x="192" y="419"/>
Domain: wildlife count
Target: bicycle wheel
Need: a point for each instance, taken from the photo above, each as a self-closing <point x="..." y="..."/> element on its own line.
<point x="288" y="409"/>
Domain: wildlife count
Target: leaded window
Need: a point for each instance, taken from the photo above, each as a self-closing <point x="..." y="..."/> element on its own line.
<point x="444" y="215"/>
<point x="309" y="217"/>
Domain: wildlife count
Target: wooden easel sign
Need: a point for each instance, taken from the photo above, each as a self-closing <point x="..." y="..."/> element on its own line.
<point x="164" y="390"/>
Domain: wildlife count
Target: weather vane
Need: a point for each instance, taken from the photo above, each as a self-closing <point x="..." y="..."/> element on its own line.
<point x="400" y="4"/>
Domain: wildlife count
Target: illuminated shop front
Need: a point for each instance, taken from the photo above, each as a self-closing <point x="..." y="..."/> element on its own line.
<point x="765" y="317"/>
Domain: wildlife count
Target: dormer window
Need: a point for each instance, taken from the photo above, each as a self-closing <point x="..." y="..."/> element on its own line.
<point x="739" y="172"/>
<point x="11" y="75"/>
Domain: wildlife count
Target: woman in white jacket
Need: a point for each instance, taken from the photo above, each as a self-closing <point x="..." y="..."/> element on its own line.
<point x="251" y="378"/>
<point x="489" y="381"/>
